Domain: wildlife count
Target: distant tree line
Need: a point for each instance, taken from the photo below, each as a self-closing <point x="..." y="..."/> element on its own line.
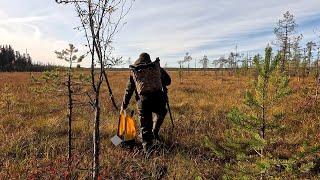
<point x="297" y="59"/>
<point x="11" y="60"/>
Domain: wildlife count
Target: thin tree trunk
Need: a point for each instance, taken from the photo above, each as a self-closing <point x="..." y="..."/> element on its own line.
<point x="70" y="107"/>
<point x="96" y="138"/>
<point x="317" y="75"/>
<point x="264" y="109"/>
<point x="180" y="74"/>
<point x="284" y="58"/>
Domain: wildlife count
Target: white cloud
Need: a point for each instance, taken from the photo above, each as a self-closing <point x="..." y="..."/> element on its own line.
<point x="24" y="19"/>
<point x="27" y="34"/>
<point x="187" y="26"/>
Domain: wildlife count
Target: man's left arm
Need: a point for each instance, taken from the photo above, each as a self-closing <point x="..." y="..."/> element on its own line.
<point x="165" y="78"/>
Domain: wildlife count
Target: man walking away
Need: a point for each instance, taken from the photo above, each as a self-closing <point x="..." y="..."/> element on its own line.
<point x="148" y="80"/>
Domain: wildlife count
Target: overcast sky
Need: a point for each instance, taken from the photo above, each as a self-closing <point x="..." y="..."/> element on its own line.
<point x="164" y="28"/>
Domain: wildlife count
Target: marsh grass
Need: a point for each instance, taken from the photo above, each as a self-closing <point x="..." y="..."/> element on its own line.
<point x="33" y="136"/>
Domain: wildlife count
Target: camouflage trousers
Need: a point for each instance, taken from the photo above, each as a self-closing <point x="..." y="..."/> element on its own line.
<point x="149" y="105"/>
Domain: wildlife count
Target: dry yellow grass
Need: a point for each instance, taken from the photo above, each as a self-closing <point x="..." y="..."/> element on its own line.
<point x="33" y="133"/>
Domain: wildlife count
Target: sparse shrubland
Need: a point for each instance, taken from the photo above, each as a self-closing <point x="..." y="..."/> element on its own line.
<point x="34" y="133"/>
<point x="253" y="118"/>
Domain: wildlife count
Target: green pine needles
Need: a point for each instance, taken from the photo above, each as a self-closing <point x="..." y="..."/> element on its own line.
<point x="260" y="114"/>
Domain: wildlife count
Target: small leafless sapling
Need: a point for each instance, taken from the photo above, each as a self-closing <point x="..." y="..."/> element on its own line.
<point x="100" y="21"/>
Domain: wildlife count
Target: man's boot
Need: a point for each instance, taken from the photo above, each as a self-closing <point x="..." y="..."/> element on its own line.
<point x="156" y="135"/>
<point x="147" y="148"/>
<point x="156" y="128"/>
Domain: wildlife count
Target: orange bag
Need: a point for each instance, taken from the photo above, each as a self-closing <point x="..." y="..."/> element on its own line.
<point x="126" y="129"/>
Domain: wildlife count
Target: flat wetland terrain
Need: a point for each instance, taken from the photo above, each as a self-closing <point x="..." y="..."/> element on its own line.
<point x="34" y="130"/>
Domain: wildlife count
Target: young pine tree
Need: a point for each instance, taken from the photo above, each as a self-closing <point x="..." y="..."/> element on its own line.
<point x="259" y="116"/>
<point x="70" y="56"/>
<point x="284" y="31"/>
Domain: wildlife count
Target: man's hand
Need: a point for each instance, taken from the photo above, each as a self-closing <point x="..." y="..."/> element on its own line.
<point x="122" y="110"/>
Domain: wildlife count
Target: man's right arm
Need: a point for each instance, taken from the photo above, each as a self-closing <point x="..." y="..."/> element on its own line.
<point x="128" y="93"/>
